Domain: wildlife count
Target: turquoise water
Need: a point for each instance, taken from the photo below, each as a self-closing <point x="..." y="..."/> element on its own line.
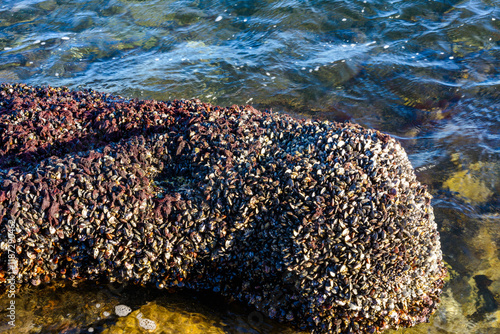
<point x="426" y="72"/>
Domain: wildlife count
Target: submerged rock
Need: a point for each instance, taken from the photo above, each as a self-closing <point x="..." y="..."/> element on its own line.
<point x="472" y="183"/>
<point x="318" y="224"/>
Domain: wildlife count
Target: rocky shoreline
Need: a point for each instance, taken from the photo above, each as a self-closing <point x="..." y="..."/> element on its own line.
<point x="318" y="224"/>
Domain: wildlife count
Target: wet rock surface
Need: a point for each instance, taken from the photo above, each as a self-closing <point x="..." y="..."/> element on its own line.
<point x="318" y="224"/>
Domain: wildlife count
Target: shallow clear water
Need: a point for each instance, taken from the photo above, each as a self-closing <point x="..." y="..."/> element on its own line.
<point x="424" y="71"/>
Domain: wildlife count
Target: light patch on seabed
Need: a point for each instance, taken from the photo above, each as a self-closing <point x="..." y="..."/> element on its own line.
<point x="472" y="183"/>
<point x="164" y="320"/>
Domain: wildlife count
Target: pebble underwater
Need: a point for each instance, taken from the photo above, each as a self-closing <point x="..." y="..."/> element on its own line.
<point x="252" y="204"/>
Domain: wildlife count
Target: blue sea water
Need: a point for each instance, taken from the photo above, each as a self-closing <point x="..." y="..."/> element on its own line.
<point x="427" y="72"/>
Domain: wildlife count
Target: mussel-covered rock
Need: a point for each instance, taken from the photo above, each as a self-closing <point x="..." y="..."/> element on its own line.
<point x="318" y="224"/>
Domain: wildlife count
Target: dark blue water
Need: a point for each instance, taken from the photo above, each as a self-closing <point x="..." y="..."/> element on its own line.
<point x="424" y="71"/>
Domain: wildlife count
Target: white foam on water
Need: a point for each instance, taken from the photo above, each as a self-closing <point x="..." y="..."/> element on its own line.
<point x="122" y="310"/>
<point x="146" y="323"/>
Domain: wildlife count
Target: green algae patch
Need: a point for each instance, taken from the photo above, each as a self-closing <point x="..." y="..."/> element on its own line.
<point x="154" y="318"/>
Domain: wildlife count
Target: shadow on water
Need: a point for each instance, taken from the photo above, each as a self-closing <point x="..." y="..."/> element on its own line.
<point x="76" y="307"/>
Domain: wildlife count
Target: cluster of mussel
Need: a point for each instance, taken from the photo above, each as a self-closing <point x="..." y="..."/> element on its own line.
<point x="318" y="224"/>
